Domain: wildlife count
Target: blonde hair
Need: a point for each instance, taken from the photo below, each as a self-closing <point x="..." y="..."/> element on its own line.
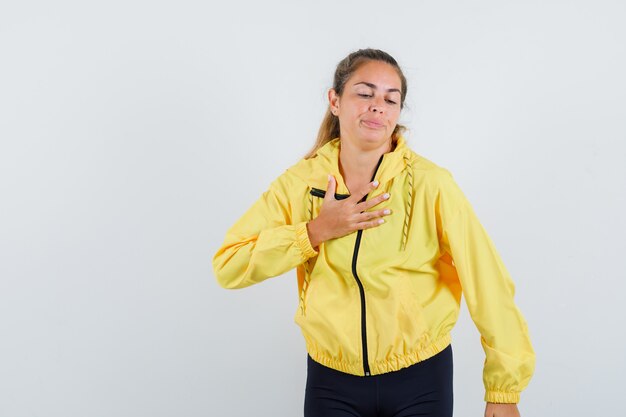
<point x="329" y="128"/>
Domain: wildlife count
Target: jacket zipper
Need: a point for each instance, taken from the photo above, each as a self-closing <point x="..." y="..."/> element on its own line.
<point x="357" y="244"/>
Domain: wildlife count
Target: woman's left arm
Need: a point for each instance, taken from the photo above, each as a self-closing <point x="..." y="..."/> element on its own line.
<point x="489" y="294"/>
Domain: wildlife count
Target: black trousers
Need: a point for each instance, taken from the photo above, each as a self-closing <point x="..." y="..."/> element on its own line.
<point x="423" y="389"/>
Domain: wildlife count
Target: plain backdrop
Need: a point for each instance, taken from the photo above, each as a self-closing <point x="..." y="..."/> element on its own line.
<point x="135" y="133"/>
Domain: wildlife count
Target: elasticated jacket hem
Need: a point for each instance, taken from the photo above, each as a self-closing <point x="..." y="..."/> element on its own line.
<point x="380" y="367"/>
<point x="302" y="237"/>
<point x="502" y="397"/>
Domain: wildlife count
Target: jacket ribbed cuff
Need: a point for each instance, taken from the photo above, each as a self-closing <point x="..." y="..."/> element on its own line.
<point x="502" y="397"/>
<point x="302" y="238"/>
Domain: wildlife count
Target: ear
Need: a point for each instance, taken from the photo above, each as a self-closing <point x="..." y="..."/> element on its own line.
<point x="333" y="100"/>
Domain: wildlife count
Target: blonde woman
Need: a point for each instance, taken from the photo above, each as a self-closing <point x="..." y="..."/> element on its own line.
<point x="384" y="243"/>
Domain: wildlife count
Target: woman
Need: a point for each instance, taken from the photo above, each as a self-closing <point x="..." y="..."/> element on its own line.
<point x="384" y="243"/>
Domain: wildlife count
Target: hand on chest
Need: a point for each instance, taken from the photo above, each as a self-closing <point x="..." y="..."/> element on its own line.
<point x="408" y="235"/>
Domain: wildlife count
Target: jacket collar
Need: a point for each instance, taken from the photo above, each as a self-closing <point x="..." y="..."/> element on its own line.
<point x="326" y="161"/>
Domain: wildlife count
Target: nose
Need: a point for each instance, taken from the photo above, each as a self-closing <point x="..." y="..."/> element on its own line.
<point x="377" y="106"/>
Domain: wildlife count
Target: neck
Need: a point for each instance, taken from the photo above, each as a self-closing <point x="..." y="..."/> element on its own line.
<point x="358" y="163"/>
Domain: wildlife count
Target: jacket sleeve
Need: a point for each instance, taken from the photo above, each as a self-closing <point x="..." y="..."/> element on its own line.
<point x="489" y="293"/>
<point x="263" y="243"/>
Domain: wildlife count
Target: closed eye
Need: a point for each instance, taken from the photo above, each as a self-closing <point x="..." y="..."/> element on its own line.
<point x="369" y="95"/>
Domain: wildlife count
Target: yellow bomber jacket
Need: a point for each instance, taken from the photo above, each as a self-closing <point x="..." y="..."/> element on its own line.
<point x="382" y="299"/>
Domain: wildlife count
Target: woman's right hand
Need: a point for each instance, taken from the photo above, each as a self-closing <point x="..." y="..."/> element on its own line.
<point x="338" y="218"/>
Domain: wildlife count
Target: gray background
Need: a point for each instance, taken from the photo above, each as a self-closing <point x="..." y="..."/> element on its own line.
<point x="134" y="133"/>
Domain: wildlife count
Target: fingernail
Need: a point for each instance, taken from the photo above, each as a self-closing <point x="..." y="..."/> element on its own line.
<point x="375" y="183"/>
<point x="381" y="221"/>
<point x="387" y="211"/>
<point x="386" y="195"/>
<point x="328" y="177"/>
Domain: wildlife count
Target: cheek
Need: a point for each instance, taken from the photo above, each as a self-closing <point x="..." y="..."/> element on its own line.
<point x="393" y="116"/>
<point x="357" y="111"/>
<point x="361" y="108"/>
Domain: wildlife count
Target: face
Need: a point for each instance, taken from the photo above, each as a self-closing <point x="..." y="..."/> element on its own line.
<point x="369" y="107"/>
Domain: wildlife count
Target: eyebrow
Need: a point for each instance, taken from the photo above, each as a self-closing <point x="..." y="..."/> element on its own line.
<point x="373" y="86"/>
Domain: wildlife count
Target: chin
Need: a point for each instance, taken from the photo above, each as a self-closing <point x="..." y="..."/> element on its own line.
<point x="369" y="138"/>
<point x="374" y="136"/>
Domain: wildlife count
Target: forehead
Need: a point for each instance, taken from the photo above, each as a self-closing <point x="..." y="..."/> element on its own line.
<point x="380" y="73"/>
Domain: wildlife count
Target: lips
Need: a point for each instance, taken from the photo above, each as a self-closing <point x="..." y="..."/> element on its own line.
<point x="372" y="123"/>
